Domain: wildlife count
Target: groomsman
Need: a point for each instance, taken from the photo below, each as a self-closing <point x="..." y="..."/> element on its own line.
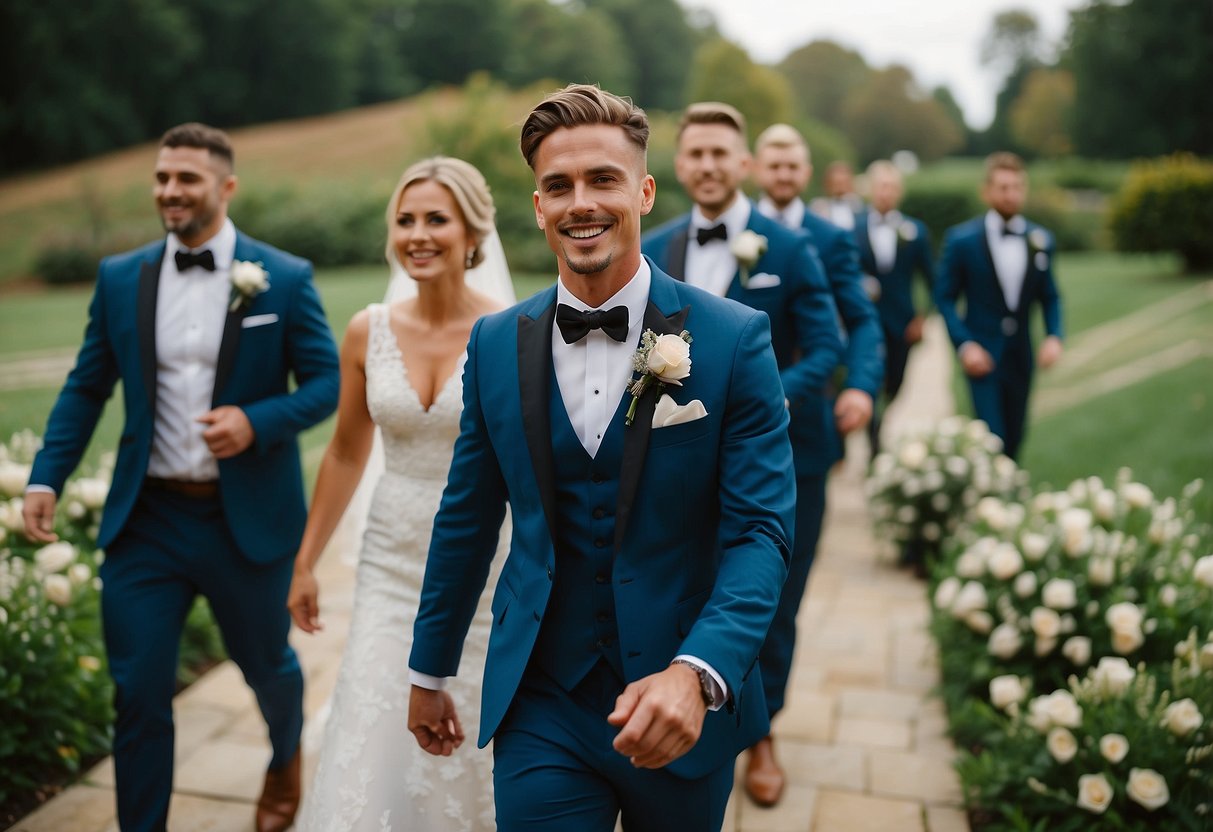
<point x="205" y="328"/>
<point x="1002" y="265"/>
<point x="892" y="247"/>
<point x="706" y="249"/>
<point x="841" y="204"/>
<point x="783" y="169"/>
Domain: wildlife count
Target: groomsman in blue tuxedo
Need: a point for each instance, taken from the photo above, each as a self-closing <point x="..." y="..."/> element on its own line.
<point x="782" y="169"/>
<point x="204" y="329"/>
<point x="840" y="205"/>
<point x="651" y="527"/>
<point x="707" y="248"/>
<point x="1002" y="265"/>
<point x="892" y="247"/>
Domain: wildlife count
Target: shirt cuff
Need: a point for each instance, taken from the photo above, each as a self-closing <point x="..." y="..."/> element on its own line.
<point x="720" y="691"/>
<point x="35" y="488"/>
<point x="964" y="344"/>
<point x="424" y="680"/>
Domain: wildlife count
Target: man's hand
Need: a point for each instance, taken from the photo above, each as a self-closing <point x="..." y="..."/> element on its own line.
<point x="303" y="601"/>
<point x="853" y="410"/>
<point x="913" y="332"/>
<point x="433" y="721"/>
<point x="1049" y="352"/>
<point x="38" y="510"/>
<point x="975" y="360"/>
<point x="661" y="716"/>
<point x="230" y="432"/>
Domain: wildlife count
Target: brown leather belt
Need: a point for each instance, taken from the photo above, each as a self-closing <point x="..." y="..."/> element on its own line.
<point x="202" y="490"/>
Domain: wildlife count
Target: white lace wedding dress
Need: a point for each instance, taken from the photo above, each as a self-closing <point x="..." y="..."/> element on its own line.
<point x="372" y="776"/>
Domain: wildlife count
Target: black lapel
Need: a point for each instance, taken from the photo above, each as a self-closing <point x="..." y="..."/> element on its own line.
<point x="534" y="384"/>
<point x="676" y="258"/>
<point x="145" y="317"/>
<point x="985" y="246"/>
<point x="227" y="350"/>
<point x="636" y="436"/>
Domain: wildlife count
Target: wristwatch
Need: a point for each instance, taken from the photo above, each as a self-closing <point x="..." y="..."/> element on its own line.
<point x="706" y="689"/>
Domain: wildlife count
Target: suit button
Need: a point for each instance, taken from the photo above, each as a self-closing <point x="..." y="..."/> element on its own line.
<point x="549" y="573"/>
<point x="600" y="578"/>
<point x="597" y="479"/>
<point x="599" y="513"/>
<point x="600" y="543"/>
<point x="1009" y="326"/>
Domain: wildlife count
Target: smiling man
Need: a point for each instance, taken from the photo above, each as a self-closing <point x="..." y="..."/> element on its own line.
<point x="651" y="532"/>
<point x="205" y="329"/>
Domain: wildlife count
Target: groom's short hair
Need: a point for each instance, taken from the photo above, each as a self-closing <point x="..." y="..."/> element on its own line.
<point x="782" y="137"/>
<point x="579" y="105"/>
<point x="203" y="136"/>
<point x="713" y="112"/>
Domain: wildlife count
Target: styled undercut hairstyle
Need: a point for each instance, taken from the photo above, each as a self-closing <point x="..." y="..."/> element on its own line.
<point x="579" y="105"/>
<point x="203" y="136"/>
<point x="1002" y="160"/>
<point x="781" y="137"/>
<point x="466" y="185"/>
<point x="713" y="112"/>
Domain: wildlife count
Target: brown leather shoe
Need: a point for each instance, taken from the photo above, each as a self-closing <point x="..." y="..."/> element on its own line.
<point x="764" y="779"/>
<point x="279" y="799"/>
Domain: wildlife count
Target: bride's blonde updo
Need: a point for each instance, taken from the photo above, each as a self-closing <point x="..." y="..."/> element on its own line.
<point x="468" y="187"/>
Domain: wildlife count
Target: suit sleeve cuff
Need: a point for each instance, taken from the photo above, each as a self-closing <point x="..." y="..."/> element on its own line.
<point x="962" y="346"/>
<point x="35" y="488"/>
<point x="425" y="680"/>
<point x="720" y="691"/>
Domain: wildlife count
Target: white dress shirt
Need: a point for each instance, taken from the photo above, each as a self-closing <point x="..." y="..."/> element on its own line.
<point x="711" y="266"/>
<point x="191" y="308"/>
<point x="842" y="213"/>
<point x="882" y="235"/>
<point x="790" y="216"/>
<point x="1010" y="253"/>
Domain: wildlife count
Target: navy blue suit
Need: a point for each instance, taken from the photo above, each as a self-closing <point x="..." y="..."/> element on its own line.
<point x="966" y="270"/>
<point x="668" y="541"/>
<point x="163" y="548"/>
<point x="896" y="301"/>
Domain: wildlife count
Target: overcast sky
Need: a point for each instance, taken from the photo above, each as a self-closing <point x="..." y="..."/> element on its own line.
<point x="939" y="40"/>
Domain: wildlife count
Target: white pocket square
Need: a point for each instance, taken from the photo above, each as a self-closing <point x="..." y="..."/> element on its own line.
<point x="762" y="280"/>
<point x="668" y="412"/>
<point x="259" y="320"/>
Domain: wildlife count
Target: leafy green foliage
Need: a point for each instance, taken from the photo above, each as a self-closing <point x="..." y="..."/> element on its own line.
<point x="1167" y="205"/>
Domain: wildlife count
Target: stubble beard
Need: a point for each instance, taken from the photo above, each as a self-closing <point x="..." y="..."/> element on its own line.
<point x="587" y="266"/>
<point x="190" y="227"/>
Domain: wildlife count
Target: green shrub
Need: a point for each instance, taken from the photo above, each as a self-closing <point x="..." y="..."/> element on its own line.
<point x="329" y="225"/>
<point x="1166" y="204"/>
<point x="941" y="206"/>
<point x="64" y="260"/>
<point x="1054" y="209"/>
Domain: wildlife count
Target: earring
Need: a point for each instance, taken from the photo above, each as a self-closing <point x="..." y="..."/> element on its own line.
<point x="467" y="264"/>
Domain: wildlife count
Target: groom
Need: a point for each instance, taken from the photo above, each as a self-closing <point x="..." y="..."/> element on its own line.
<point x="207" y="495"/>
<point x="649" y="544"/>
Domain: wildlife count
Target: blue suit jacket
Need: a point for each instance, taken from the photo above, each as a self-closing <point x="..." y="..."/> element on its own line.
<point x="804" y="319"/>
<point x="967" y="268"/>
<point x="896" y="301"/>
<point x="262" y="488"/>
<point x="703" y="519"/>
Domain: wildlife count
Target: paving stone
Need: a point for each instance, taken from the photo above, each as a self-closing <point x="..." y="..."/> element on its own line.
<point x="78" y="809"/>
<point x="874" y="733"/>
<point x="879" y="704"/>
<point x="793" y="813"/>
<point x="946" y="819"/>
<point x="191" y="813"/>
<point x="226" y="768"/>
<point x="223" y="687"/>
<point x="817" y="764"/>
<point x="848" y="812"/>
<point x="808" y="716"/>
<point x="909" y="775"/>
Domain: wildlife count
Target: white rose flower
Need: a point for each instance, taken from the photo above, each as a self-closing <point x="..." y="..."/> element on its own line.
<point x="1046" y="623"/>
<point x="1044" y="645"/>
<point x="931" y="531"/>
<point x="1114" y="675"/>
<point x="1076" y="529"/>
<point x="10" y="515"/>
<point x="58" y="589"/>
<point x="1005" y="641"/>
<point x="1113" y="747"/>
<point x="1077" y="649"/>
<point x="92" y="491"/>
<point x="980" y="622"/>
<point x="1060" y="594"/>
<point x="54" y="557"/>
<point x="1147" y="788"/>
<point x="1006" y="691"/>
<point x="1101" y="571"/>
<point x="946" y="592"/>
<point x="1125" y="642"/>
<point x="972" y="597"/>
<point x="912" y="455"/>
<point x="75" y="509"/>
<point x="748" y="246"/>
<point x="940" y="502"/>
<point x="883" y="464"/>
<point x="1034" y="545"/>
<point x="970" y="565"/>
<point x="907" y="514"/>
<point x="957" y="466"/>
<point x="1137" y="495"/>
<point x="1206" y="656"/>
<point x="1094" y="793"/>
<point x="79" y="574"/>
<point x="1005" y="562"/>
<point x="249" y="278"/>
<point x="1061" y="745"/>
<point x="1203" y="571"/>
<point x="1058" y="708"/>
<point x="13" y="478"/>
<point x="1124" y="617"/>
<point x="670" y="359"/>
<point x="1025" y="584"/>
<point x="1182" y="718"/>
<point x="1105" y="504"/>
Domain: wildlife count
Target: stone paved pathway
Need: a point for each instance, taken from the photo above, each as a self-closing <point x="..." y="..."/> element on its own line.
<point x="862" y="737"/>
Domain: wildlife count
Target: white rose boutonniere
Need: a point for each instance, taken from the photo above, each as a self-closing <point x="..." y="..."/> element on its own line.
<point x="1038" y="240"/>
<point x="248" y="280"/>
<point x="907" y="232"/>
<point x="660" y="360"/>
<point x="747" y="248"/>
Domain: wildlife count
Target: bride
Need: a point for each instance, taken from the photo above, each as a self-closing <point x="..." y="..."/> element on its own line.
<point x="401" y="368"/>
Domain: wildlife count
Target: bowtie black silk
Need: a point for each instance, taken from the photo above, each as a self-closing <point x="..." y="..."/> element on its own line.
<point x="1008" y="232"/>
<point x="716" y="232"/>
<point x="575" y="324"/>
<point x="202" y="259"/>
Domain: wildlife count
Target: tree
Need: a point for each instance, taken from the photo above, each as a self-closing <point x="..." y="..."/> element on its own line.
<point x="889" y="113"/>
<point x="1014" y="39"/>
<point x="1041" y="115"/>
<point x="724" y="72"/>
<point x="823" y="76"/>
<point x="548" y="45"/>
<point x="1142" y="75"/>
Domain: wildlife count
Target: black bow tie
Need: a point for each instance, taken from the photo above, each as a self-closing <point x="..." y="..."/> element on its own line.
<point x="1007" y="232"/>
<point x="202" y="259"/>
<point x="575" y="324"/>
<point x="716" y="232"/>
